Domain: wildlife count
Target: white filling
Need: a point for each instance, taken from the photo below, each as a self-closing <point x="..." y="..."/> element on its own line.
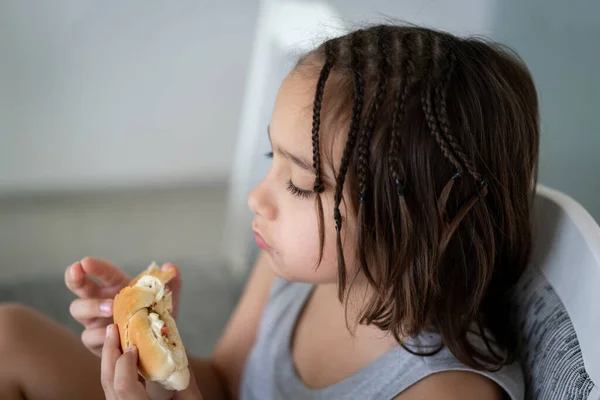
<point x="153" y="284"/>
<point x="156" y="324"/>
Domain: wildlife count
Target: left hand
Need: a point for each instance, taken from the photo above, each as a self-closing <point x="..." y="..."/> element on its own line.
<point x="119" y="373"/>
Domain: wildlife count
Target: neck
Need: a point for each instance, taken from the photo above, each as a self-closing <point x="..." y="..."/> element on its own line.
<point x="350" y="309"/>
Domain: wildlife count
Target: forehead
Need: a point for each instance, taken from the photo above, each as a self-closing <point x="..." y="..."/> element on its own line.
<point x="292" y="114"/>
<point x="292" y="120"/>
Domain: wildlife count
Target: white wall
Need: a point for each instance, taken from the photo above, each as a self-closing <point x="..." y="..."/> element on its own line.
<point x="103" y="94"/>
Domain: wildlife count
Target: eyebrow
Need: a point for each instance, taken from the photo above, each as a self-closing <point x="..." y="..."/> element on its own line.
<point x="299" y="161"/>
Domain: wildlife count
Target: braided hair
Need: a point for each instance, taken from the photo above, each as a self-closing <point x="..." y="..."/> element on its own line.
<point x="383" y="37"/>
<point x="316" y="124"/>
<point x="357" y="105"/>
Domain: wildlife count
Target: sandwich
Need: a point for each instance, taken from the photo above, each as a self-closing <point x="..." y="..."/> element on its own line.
<point x="142" y="311"/>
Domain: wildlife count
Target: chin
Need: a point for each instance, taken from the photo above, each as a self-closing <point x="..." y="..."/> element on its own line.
<point x="305" y="271"/>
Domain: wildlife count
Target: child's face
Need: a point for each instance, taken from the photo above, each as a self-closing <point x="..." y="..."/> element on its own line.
<point x="284" y="202"/>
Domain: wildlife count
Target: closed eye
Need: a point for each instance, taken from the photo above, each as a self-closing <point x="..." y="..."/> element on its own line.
<point x="293" y="189"/>
<point x="296" y="191"/>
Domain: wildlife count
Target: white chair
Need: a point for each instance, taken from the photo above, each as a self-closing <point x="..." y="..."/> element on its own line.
<point x="558" y="299"/>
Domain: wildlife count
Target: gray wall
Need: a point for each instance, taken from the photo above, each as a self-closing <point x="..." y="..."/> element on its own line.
<point x="559" y="41"/>
<point x="110" y="96"/>
<point x="105" y="94"/>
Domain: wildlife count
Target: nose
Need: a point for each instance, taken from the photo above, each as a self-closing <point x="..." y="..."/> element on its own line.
<point x="260" y="201"/>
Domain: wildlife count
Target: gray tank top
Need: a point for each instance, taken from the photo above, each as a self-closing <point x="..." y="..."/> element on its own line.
<point x="269" y="373"/>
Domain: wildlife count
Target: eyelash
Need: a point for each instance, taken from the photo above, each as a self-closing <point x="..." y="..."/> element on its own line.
<point x="293" y="189"/>
<point x="300" y="193"/>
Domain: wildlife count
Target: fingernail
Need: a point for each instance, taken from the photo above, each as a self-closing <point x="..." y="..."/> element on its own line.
<point x="109" y="330"/>
<point x="130" y="348"/>
<point x="106" y="306"/>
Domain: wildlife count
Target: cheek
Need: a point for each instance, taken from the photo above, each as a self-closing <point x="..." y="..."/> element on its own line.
<point x="299" y="235"/>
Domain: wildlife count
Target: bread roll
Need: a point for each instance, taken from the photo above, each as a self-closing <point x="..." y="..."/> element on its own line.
<point x="142" y="311"/>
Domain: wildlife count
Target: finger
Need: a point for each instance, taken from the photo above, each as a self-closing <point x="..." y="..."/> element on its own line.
<point x="175" y="283"/>
<point x="98" y="323"/>
<point x="191" y="392"/>
<point x="78" y="283"/>
<point x="110" y="353"/>
<point x="88" y="309"/>
<point x="93" y="339"/>
<point x="108" y="273"/>
<point x="126" y="383"/>
<point x="156" y="391"/>
<point x="174" y="286"/>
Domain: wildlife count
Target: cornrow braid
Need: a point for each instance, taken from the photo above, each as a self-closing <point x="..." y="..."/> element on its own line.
<point x="366" y="135"/>
<point x="433" y="123"/>
<point x="356" y="65"/>
<point x="440" y="100"/>
<point x="329" y="61"/>
<point x="450" y="227"/>
<point x="357" y="105"/>
<point x="406" y="72"/>
<point x="441" y="92"/>
<point x="430" y="116"/>
<point x="367" y="132"/>
<point x="318" y="186"/>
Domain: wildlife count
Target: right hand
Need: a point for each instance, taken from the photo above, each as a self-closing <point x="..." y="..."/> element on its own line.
<point x="93" y="307"/>
<point x="121" y="380"/>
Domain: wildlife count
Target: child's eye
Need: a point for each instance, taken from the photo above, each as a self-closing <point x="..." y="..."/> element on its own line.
<point x="269" y="155"/>
<point x="300" y="193"/>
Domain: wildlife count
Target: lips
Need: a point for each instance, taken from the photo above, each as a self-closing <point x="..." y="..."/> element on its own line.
<point x="260" y="241"/>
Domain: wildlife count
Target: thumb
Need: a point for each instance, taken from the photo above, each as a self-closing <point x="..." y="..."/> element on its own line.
<point x="174" y="286"/>
<point x="191" y="392"/>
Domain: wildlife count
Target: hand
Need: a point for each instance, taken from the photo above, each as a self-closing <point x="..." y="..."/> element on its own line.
<point x="93" y="308"/>
<point x="119" y="373"/>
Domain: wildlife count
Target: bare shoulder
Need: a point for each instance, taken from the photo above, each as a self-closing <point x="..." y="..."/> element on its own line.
<point x="453" y="385"/>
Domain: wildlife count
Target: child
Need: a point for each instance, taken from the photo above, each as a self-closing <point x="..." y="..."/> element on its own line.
<point x="394" y="221"/>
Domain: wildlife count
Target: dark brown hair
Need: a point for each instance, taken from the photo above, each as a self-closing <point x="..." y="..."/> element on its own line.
<point x="440" y="165"/>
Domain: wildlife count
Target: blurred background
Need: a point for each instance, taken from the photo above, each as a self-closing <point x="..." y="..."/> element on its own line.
<point x="131" y="130"/>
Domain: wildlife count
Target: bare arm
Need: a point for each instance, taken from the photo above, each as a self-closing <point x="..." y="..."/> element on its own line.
<point x="219" y="376"/>
<point x="453" y="385"/>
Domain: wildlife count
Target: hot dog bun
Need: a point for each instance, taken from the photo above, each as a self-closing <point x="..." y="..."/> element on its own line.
<point x="140" y="310"/>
